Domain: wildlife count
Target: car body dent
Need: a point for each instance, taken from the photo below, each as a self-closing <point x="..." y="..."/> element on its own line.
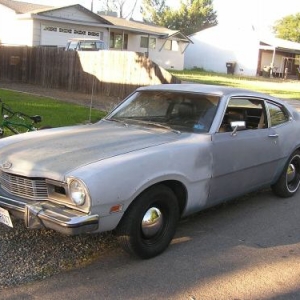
<point x="170" y="165"/>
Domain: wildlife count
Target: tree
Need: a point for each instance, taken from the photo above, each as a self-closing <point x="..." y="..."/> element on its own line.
<point x="192" y="15"/>
<point x="123" y="8"/>
<point x="288" y="28"/>
<point x="153" y="10"/>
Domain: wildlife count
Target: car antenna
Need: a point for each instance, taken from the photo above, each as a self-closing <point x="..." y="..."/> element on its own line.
<point x="91" y="102"/>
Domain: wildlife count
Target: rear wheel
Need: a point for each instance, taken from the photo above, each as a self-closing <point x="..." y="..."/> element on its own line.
<point x="149" y="223"/>
<point x="288" y="183"/>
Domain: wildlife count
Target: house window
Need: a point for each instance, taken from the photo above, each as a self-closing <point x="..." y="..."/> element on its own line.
<point x="82" y="32"/>
<point x="65" y="30"/>
<point x="116" y="41"/>
<point x="144" y="42"/>
<point x="168" y="45"/>
<point x="92" y="33"/>
<point x="171" y="45"/>
<point x="50" y="28"/>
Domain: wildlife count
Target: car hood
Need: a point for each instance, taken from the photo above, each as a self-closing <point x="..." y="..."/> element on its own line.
<point x="55" y="152"/>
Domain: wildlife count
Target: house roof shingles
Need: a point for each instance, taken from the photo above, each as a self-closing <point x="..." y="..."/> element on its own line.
<point x="138" y="25"/>
<point x="130" y="25"/>
<point x="144" y="28"/>
<point x="24" y="7"/>
<point x="280" y="43"/>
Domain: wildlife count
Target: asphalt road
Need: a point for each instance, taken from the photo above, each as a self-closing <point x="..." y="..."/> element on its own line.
<point x="246" y="249"/>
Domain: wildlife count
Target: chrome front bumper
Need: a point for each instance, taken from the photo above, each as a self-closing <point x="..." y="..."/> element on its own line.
<point x="44" y="214"/>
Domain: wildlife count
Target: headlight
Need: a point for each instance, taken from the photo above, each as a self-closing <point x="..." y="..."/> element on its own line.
<point x="77" y="192"/>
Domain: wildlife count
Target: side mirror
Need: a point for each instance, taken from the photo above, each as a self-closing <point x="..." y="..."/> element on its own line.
<point x="237" y="126"/>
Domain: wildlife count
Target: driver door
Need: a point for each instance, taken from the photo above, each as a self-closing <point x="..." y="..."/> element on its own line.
<point x="246" y="159"/>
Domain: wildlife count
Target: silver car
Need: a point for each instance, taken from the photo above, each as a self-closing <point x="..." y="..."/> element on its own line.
<point x="166" y="152"/>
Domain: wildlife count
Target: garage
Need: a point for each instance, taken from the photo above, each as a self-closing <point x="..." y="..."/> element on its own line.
<point x="59" y="35"/>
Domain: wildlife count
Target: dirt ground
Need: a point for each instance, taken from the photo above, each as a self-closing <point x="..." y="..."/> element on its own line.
<point x="102" y="102"/>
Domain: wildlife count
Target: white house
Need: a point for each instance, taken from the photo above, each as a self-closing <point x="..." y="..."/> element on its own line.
<point x="215" y="49"/>
<point x="29" y="24"/>
<point x="163" y="46"/>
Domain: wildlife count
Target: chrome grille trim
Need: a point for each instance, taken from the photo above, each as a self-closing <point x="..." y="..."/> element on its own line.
<point x="31" y="188"/>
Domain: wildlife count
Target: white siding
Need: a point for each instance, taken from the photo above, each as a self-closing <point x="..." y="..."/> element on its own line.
<point x="168" y="59"/>
<point x="30" y="32"/>
<point x="215" y="46"/>
<point x="24" y="32"/>
<point x="14" y="31"/>
<point x="70" y="13"/>
<point x="67" y="23"/>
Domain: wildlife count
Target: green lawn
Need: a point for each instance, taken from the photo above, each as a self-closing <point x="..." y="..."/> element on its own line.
<point x="285" y="89"/>
<point x="55" y="113"/>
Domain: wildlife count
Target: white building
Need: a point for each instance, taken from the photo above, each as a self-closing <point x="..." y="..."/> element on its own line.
<point x="29" y="24"/>
<point x="212" y="49"/>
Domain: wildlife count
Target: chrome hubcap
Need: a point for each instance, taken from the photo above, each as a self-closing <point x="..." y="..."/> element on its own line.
<point x="152" y="222"/>
<point x="291" y="173"/>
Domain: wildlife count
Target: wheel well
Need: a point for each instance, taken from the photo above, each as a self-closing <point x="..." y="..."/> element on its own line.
<point x="179" y="190"/>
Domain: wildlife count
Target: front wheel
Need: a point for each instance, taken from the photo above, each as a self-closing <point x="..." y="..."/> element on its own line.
<point x="149" y="223"/>
<point x="289" y="181"/>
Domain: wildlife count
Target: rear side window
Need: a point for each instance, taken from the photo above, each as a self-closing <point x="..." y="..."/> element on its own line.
<point x="278" y="114"/>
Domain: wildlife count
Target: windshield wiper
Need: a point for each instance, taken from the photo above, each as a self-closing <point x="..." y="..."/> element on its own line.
<point x="160" y="126"/>
<point x="118" y="121"/>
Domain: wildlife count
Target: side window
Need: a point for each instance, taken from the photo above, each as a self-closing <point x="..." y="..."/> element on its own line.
<point x="278" y="115"/>
<point x="249" y="113"/>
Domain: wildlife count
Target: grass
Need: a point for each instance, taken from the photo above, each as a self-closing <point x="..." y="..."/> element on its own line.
<point x="285" y="89"/>
<point x="55" y="113"/>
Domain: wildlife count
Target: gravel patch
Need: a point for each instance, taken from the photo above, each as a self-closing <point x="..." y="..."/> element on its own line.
<point x="29" y="255"/>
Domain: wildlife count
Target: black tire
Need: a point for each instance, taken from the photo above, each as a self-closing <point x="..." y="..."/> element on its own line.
<point x="148" y="239"/>
<point x="288" y="183"/>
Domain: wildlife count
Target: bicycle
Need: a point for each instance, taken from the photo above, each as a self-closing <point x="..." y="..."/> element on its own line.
<point x="17" y="122"/>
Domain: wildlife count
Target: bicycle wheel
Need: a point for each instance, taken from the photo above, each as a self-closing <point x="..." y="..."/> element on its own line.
<point x="18" y="128"/>
<point x="1" y="132"/>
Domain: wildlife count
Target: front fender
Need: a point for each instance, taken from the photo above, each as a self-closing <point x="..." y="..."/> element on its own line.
<point x="120" y="179"/>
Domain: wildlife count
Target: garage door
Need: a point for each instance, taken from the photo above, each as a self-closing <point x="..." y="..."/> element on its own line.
<point x="58" y="36"/>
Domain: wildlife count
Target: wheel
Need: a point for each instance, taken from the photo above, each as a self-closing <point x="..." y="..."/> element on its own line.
<point x="16" y="129"/>
<point x="149" y="223"/>
<point x="289" y="181"/>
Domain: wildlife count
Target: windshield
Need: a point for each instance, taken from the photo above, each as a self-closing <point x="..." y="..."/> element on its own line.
<point x="92" y="45"/>
<point x="86" y="45"/>
<point x="185" y="112"/>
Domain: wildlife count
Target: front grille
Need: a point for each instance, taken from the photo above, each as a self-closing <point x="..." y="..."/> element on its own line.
<point x="31" y="188"/>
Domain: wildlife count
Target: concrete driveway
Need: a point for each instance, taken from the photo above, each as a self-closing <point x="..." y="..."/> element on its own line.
<point x="246" y="249"/>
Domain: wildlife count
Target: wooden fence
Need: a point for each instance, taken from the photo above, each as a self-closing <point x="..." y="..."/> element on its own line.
<point x="113" y="73"/>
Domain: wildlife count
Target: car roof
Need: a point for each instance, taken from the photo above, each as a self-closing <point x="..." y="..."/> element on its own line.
<point x="216" y="90"/>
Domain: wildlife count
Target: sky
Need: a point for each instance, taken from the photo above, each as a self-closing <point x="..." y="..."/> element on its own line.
<point x="262" y="14"/>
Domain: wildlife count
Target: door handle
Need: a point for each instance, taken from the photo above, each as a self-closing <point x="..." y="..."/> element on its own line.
<point x="273" y="135"/>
